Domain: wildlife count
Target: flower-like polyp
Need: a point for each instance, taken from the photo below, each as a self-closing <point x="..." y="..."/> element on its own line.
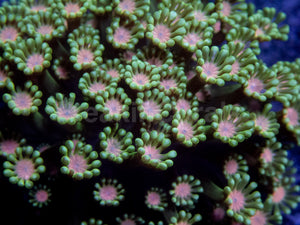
<point x="10" y="16"/>
<point x="96" y="82"/>
<point x="186" y="190"/>
<point x="291" y="119"/>
<point x="265" y="216"/>
<point x="86" y="50"/>
<point x="30" y="55"/>
<point x="79" y="161"/>
<point x="101" y="7"/>
<point x="130" y="219"/>
<point x="285" y="196"/>
<point x="116" y="144"/>
<point x="40" y="196"/>
<point x="232" y="124"/>
<point x="36" y="6"/>
<point x="9" y="143"/>
<point x="184" y="217"/>
<point x="64" y="110"/>
<point x="24" y="166"/>
<point x="245" y="36"/>
<point x="156" y="199"/>
<point x="151" y="146"/>
<point x="188" y="128"/>
<point x="109" y="192"/>
<point x="23" y="101"/>
<point x="286" y="89"/>
<point x="266" y="123"/>
<point x="47" y="24"/>
<point x="153" y="105"/>
<point x="164" y="28"/>
<point x="241" y="198"/>
<point x="235" y="164"/>
<point x="273" y="159"/>
<point x="60" y="70"/>
<point x="155" y="56"/>
<point x="113" y="68"/>
<point x="204" y="12"/>
<point x="124" y="34"/>
<point x="185" y="102"/>
<point x="114" y="105"/>
<point x="244" y="63"/>
<point x="72" y="9"/>
<point x="197" y="36"/>
<point x="132" y="9"/>
<point x="173" y="82"/>
<point x="231" y="12"/>
<point x="214" y="65"/>
<point x="141" y="76"/>
<point x="92" y="221"/>
<point x="262" y="83"/>
<point x="280" y="30"/>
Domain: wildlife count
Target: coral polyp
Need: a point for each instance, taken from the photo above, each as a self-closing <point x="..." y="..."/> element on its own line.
<point x="149" y="112"/>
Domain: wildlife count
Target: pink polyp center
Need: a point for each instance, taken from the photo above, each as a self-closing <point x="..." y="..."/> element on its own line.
<point x="210" y="70"/>
<point x="200" y="16"/>
<point x="155" y="61"/>
<point x="97" y="86"/>
<point x="183" y="190"/>
<point x="259" y="32"/>
<point x="122" y="35"/>
<point x="162" y="33"/>
<point x="190" y="74"/>
<point x="153" y="198"/>
<point x="238" y="200"/>
<point x="85" y="56"/>
<point x="140" y="79"/>
<point x="23" y="100"/>
<point x="235" y="68"/>
<point x="108" y="193"/>
<point x="255" y="85"/>
<point x="8" y="34"/>
<point x="231" y="167"/>
<point x="78" y="163"/>
<point x="226" y="11"/>
<point x="200" y="96"/>
<point x="168" y="84"/>
<point x="72" y="8"/>
<point x="24" y="168"/>
<point x="113" y="73"/>
<point x="151" y="108"/>
<point x="45" y="29"/>
<point x="127" y="5"/>
<point x="183" y="104"/>
<point x="35" y="60"/>
<point x="3" y="76"/>
<point x="37" y="8"/>
<point x="114" y="106"/>
<point x="267" y="155"/>
<point x="67" y="111"/>
<point x="183" y="223"/>
<point x="259" y="218"/>
<point x="293" y="116"/>
<point x="226" y="129"/>
<point x="113" y="146"/>
<point x="186" y="129"/>
<point x="262" y="122"/>
<point x="217" y="27"/>
<point x="191" y="39"/>
<point x="41" y="196"/>
<point x="62" y="72"/>
<point x="153" y="152"/>
<point x="128" y="222"/>
<point x="218" y="214"/>
<point x="128" y="55"/>
<point x="9" y="146"/>
<point x="278" y="194"/>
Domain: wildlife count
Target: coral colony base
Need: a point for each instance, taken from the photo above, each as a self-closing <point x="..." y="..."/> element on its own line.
<point x="145" y="112"/>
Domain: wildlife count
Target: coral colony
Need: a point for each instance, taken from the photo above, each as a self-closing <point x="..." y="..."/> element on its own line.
<point x="157" y="112"/>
